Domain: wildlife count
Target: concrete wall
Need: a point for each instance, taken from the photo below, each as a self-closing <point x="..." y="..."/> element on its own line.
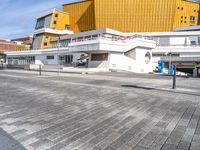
<point x="140" y="60"/>
<point x="118" y="61"/>
<point x="179" y="41"/>
<point x="47" y="22"/>
<point x="42" y="59"/>
<point x="98" y="64"/>
<point x="37" y="43"/>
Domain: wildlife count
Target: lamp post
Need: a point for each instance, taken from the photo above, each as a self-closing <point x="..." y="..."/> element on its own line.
<point x="58" y="58"/>
<point x="174" y="78"/>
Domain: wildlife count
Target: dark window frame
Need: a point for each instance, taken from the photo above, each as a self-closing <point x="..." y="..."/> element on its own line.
<point x="99" y="57"/>
<point x="50" y="57"/>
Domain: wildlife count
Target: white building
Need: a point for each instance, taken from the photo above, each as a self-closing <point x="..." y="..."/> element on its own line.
<point x="104" y="49"/>
<point x="108" y="49"/>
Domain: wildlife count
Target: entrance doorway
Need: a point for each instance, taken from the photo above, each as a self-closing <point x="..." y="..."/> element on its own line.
<point x="66" y="60"/>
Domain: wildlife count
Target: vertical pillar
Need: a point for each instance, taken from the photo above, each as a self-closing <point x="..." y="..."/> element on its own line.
<point x="174" y="78"/>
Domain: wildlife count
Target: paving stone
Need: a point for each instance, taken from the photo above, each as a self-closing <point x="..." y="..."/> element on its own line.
<point x="195" y="146"/>
<point x="168" y="147"/>
<point x="96" y="112"/>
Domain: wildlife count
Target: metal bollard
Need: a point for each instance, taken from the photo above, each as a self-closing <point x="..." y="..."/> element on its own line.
<point x="40" y="70"/>
<point x="174" y="78"/>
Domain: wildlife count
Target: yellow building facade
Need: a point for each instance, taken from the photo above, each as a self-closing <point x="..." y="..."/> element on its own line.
<point x="49" y="25"/>
<point x="59" y="21"/>
<point x="132" y="15"/>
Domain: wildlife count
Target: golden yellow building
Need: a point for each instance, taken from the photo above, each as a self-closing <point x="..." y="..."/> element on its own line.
<point x="121" y="15"/>
<point x="50" y="24"/>
<point x="132" y="15"/>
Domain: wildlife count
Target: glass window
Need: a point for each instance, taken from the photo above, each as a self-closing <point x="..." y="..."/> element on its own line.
<point x="192" y="19"/>
<point x="40" y="23"/>
<point x="68" y="27"/>
<point x="45" y="44"/>
<point x="99" y="57"/>
<point x="50" y="57"/>
<point x="56" y="15"/>
<point x="23" y="60"/>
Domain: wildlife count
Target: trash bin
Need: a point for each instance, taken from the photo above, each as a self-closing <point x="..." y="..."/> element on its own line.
<point x="171" y="70"/>
<point x="161" y="66"/>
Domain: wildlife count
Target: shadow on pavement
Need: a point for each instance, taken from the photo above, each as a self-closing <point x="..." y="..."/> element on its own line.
<point x="165" y="90"/>
<point x="7" y="142"/>
<point x="138" y="87"/>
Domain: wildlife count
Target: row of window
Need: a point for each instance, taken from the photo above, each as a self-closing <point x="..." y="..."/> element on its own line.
<point x="65" y="59"/>
<point x="63" y="43"/>
<point x="192" y="19"/>
<point x="26" y="60"/>
<point x="181" y="8"/>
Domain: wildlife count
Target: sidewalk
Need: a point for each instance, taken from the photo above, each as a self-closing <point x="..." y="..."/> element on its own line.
<point x="126" y="80"/>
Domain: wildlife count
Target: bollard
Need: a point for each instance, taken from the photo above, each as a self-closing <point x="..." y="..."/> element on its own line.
<point x="40" y="70"/>
<point x="174" y="78"/>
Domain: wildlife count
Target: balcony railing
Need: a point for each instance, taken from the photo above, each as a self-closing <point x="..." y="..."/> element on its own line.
<point x="178" y="45"/>
<point x="121" y="39"/>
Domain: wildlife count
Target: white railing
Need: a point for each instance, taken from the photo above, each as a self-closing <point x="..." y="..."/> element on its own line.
<point x="100" y="37"/>
<point x="178" y="45"/>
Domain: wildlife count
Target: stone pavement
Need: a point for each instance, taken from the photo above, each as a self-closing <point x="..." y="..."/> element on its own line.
<point x="94" y="112"/>
<point x="8" y="143"/>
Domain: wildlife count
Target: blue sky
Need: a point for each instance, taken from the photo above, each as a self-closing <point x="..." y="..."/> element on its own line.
<point x="19" y="16"/>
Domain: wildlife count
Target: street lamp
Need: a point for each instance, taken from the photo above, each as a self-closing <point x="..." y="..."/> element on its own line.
<point x="170" y="63"/>
<point x="58" y="58"/>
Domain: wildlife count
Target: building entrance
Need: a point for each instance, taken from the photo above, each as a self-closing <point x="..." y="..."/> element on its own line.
<point x="66" y="60"/>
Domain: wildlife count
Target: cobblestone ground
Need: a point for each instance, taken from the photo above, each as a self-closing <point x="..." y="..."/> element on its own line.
<point x="77" y="113"/>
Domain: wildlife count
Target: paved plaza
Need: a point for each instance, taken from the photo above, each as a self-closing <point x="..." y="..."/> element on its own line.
<point x="110" y="111"/>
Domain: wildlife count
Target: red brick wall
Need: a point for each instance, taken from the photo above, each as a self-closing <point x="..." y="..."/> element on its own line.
<point x="8" y="46"/>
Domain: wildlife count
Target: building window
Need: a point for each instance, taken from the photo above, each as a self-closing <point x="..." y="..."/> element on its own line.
<point x="193" y="43"/>
<point x="55" y="22"/>
<point x="181" y="17"/>
<point x="99" y="57"/>
<point x="147" y="58"/>
<point x="68" y="27"/>
<point x="46" y="36"/>
<point x="194" y="10"/>
<point x="178" y="7"/>
<point x="185" y="21"/>
<point x="40" y="23"/>
<point x="181" y="8"/>
<point x="26" y="60"/>
<point x="50" y="57"/>
<point x="192" y="19"/>
<point x="56" y="15"/>
<point x="181" y="21"/>
<point x="45" y="44"/>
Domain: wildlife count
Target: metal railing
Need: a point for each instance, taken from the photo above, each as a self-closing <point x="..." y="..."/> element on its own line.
<point x="178" y="45"/>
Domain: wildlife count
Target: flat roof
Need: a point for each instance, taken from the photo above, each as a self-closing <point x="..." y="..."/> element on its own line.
<point x="189" y="28"/>
<point x="76" y="2"/>
<point x="44" y="14"/>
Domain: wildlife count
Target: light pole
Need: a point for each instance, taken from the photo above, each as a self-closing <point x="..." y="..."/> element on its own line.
<point x="58" y="58"/>
<point x="174" y="78"/>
